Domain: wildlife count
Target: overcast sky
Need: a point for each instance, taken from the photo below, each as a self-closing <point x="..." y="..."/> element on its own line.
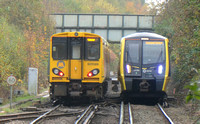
<point x="155" y="1"/>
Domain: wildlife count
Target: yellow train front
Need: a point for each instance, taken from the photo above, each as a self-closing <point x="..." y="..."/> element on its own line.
<point x="144" y="65"/>
<point x="79" y="65"/>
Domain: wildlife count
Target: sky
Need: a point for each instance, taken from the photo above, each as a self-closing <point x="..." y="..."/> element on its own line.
<point x="155" y="1"/>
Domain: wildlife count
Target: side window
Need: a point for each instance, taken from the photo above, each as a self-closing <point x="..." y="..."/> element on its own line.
<point x="93" y="49"/>
<point x="59" y="48"/>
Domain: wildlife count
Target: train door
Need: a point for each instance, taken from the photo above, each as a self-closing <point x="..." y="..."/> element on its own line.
<point x="133" y="57"/>
<point x="76" y="55"/>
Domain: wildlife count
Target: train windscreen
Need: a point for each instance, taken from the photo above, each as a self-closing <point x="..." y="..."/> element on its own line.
<point x="92" y="48"/>
<point x="133" y="53"/>
<point x="153" y="52"/>
<point x="59" y="48"/>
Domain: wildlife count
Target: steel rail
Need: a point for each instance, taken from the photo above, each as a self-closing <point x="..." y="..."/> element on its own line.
<point x="130" y="113"/>
<point x="164" y="113"/>
<point x="42" y="116"/>
<point x="21" y="114"/>
<point x="91" y="115"/>
<point x="35" y="116"/>
<point x="84" y="113"/>
<point x="121" y="118"/>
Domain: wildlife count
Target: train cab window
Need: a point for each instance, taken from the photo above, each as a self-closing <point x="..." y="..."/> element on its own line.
<point x="93" y="48"/>
<point x="59" y="48"/>
<point x="153" y="52"/>
<point x="132" y="52"/>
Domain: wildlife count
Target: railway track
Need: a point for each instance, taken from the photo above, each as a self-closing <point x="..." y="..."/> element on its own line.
<point x="127" y="112"/>
<point x="37" y="116"/>
<point x="19" y="116"/>
<point x="87" y="115"/>
<point x="164" y="113"/>
<point x="44" y="115"/>
<point x="122" y="112"/>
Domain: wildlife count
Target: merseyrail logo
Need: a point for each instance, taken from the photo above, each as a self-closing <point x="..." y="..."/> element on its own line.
<point x="60" y="64"/>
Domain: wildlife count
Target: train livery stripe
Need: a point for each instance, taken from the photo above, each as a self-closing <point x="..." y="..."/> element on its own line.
<point x="122" y="64"/>
<point x="167" y="66"/>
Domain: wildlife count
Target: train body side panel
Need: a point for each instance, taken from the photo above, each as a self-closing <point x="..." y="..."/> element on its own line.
<point x="106" y="62"/>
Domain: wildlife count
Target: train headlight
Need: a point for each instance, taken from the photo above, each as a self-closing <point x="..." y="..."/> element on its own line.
<point x="128" y="69"/>
<point x="95" y="72"/>
<point x="160" y="69"/>
<point x="55" y="71"/>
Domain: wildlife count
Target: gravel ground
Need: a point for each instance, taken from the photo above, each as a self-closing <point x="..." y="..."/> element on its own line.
<point x="179" y="115"/>
<point x="107" y="115"/>
<point x="147" y="115"/>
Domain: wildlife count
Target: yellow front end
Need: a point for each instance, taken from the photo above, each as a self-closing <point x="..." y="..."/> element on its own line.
<point x="79" y="71"/>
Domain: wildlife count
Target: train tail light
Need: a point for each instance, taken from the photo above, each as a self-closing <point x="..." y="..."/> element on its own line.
<point x="61" y="73"/>
<point x="90" y="74"/>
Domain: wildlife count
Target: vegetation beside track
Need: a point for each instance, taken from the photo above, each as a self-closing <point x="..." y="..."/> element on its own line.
<point x="180" y="22"/>
<point x="21" y="102"/>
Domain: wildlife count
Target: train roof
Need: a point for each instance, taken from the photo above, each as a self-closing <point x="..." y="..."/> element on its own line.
<point x="145" y="35"/>
<point x="68" y="34"/>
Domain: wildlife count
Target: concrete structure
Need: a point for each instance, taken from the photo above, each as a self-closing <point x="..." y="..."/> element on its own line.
<point x="33" y="81"/>
<point x="110" y="26"/>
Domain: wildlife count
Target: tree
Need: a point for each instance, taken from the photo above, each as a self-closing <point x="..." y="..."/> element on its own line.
<point x="180" y="21"/>
<point x="25" y="35"/>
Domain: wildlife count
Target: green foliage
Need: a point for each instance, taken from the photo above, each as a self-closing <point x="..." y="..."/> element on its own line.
<point x="103" y="6"/>
<point x="194" y="92"/>
<point x="25" y="34"/>
<point x="180" y="22"/>
<point x="11" y="55"/>
<point x="114" y="56"/>
<point x="17" y="109"/>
